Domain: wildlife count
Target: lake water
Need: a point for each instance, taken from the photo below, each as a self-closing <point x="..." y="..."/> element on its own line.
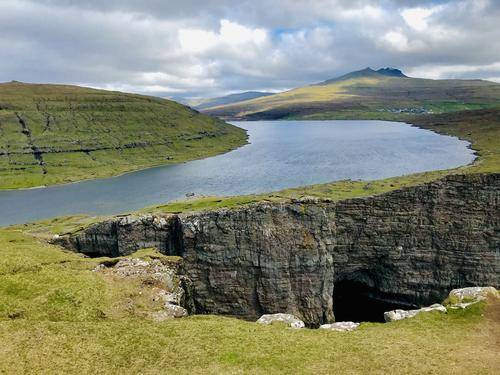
<point x="281" y="154"/>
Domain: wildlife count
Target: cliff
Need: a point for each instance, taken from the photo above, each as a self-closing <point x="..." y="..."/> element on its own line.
<point x="408" y="247"/>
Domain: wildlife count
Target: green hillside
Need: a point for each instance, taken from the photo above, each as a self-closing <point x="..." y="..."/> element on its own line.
<point x="367" y="94"/>
<point x="51" y="134"/>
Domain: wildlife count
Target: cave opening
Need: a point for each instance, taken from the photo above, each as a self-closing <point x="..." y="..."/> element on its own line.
<point x="358" y="302"/>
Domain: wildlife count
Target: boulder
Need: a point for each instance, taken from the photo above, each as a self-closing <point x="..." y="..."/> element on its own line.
<point x="175" y="311"/>
<point x="288" y="319"/>
<point x="470" y="295"/>
<point x="463" y="305"/>
<point x="170" y="311"/>
<point x="340" y="326"/>
<point x="391" y="316"/>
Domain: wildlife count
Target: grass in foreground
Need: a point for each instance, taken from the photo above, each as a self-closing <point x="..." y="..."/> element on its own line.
<point x="57" y="316"/>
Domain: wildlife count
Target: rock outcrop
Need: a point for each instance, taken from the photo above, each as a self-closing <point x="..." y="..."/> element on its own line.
<point x="162" y="279"/>
<point x="287" y="319"/>
<point x="409" y="246"/>
<point x="340" y="326"/>
<point x="464" y="297"/>
<point x="471" y="294"/>
<point x="394" y="315"/>
<point x="457" y="299"/>
<point x="124" y="235"/>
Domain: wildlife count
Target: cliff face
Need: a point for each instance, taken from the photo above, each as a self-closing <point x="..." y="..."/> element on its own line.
<point x="409" y="246"/>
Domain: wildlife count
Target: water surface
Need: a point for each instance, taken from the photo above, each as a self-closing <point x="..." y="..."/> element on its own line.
<point x="281" y="154"/>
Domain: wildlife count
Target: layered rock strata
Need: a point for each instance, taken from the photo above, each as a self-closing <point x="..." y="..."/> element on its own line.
<point x="409" y="246"/>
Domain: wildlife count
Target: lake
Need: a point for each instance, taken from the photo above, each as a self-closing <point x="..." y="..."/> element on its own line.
<point x="281" y="154"/>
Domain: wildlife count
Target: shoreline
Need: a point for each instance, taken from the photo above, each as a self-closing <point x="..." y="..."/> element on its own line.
<point x="125" y="173"/>
<point x="469" y="146"/>
<point x="352" y="186"/>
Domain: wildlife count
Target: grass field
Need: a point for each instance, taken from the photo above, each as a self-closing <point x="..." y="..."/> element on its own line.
<point x="52" y="134"/>
<point x="57" y="316"/>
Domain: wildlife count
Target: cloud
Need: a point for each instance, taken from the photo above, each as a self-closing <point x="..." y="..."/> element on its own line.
<point x="416" y="18"/>
<point x="458" y="71"/>
<point x="230" y="34"/>
<point x="397" y="40"/>
<point x="211" y="47"/>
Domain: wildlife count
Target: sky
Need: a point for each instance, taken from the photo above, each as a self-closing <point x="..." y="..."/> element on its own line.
<point x="191" y="49"/>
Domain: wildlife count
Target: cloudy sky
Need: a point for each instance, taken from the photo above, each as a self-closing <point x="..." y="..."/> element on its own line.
<point x="195" y="48"/>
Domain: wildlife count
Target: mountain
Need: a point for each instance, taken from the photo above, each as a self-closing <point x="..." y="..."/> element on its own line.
<point x="367" y="73"/>
<point x="386" y="93"/>
<point x="228" y="99"/>
<point x="53" y="134"/>
<point x="391" y="72"/>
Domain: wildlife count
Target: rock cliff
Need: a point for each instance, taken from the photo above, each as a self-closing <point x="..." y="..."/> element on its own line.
<point x="408" y="248"/>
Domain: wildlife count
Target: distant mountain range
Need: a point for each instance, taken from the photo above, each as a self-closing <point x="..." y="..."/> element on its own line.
<point x="385" y="93"/>
<point x="228" y="99"/>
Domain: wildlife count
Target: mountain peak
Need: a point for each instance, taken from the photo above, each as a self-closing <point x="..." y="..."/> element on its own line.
<point x="392" y="72"/>
<point x="368" y="72"/>
<point x="365" y="70"/>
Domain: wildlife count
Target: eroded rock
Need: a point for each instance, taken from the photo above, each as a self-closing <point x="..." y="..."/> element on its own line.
<point x="406" y="246"/>
<point x="162" y="279"/>
<point x="287" y="319"/>
<point x="471" y="294"/>
<point x="394" y="315"/>
<point x="170" y="311"/>
<point x="464" y="297"/>
<point x="340" y="326"/>
<point x="462" y="305"/>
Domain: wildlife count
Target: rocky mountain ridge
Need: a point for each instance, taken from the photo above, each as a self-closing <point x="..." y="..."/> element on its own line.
<point x="367" y="73"/>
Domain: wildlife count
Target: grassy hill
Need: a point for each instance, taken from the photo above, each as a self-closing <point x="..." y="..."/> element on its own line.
<point x="367" y="94"/>
<point x="51" y="134"/>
